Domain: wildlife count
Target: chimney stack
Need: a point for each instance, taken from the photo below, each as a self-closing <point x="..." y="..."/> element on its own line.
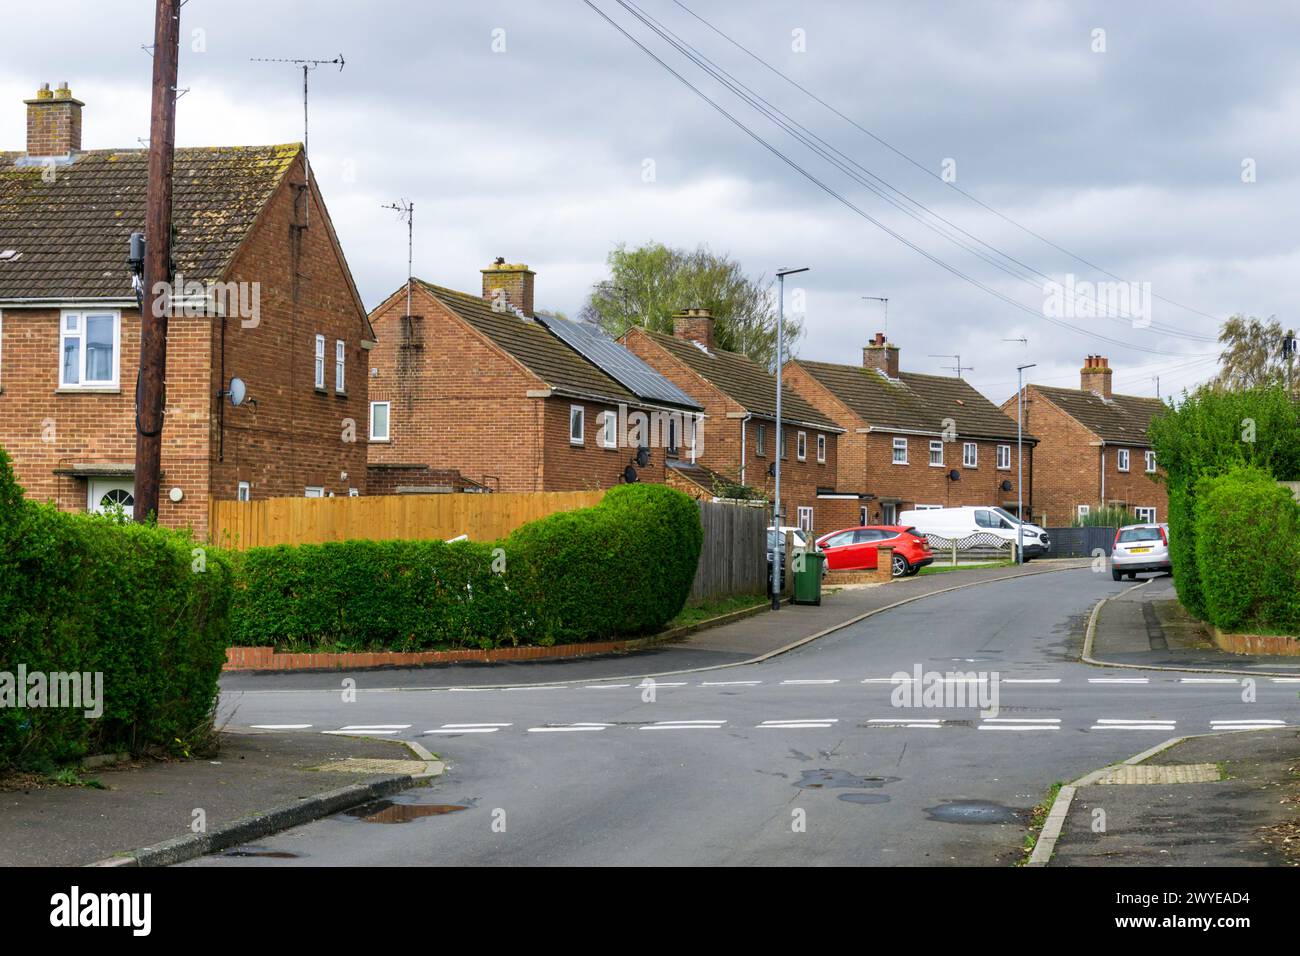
<point x="1095" y="376"/>
<point x="513" y="282"/>
<point x="881" y="355"/>
<point x="53" y="122"/>
<point x="694" y="325"/>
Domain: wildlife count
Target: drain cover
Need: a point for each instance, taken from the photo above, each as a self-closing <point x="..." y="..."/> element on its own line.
<point x="360" y="765"/>
<point x="1179" y="773"/>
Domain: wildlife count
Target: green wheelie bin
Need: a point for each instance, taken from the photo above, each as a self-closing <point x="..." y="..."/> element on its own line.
<point x="808" y="577"/>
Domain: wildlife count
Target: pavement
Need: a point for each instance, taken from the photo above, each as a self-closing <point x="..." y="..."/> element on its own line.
<point x="1147" y="627"/>
<point x="1247" y="813"/>
<point x="137" y="804"/>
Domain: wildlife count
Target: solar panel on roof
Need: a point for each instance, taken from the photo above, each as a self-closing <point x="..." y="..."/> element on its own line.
<point x="615" y="361"/>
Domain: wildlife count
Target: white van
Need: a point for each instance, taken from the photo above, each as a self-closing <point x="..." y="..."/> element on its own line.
<point x="958" y="523"/>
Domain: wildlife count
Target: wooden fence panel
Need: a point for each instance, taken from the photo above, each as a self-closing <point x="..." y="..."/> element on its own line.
<point x="271" y="521"/>
<point x="733" y="557"/>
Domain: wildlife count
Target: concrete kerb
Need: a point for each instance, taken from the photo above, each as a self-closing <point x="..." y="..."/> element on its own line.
<point x="1051" y="832"/>
<point x="268" y="822"/>
<point x="784" y="649"/>
<point x="1091" y="632"/>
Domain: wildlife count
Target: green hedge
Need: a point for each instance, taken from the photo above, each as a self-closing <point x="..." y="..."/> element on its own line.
<point x="1248" y="551"/>
<point x="1209" y="433"/>
<point x="136" y="603"/>
<point x="621" y="568"/>
<point x="367" y="595"/>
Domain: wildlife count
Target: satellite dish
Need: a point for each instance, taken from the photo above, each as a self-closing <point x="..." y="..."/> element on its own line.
<point x="629" y="474"/>
<point x="954" y="475"/>
<point x="643" y="456"/>
<point x="238" y="391"/>
<point x="1006" y="486"/>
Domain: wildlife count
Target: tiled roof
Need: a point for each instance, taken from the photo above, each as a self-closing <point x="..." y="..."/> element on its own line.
<point x="1124" y="418"/>
<point x="744" y="381"/>
<point x="913" y="402"/>
<point x="72" y="234"/>
<point x="532" y="346"/>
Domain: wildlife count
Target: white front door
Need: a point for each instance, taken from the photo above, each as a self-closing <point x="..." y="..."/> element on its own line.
<point x="107" y="494"/>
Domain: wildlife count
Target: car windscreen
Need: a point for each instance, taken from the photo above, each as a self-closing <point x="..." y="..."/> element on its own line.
<point x="1139" y="534"/>
<point x="1007" y="514"/>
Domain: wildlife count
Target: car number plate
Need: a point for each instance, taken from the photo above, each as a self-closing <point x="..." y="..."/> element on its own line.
<point x="1139" y="550"/>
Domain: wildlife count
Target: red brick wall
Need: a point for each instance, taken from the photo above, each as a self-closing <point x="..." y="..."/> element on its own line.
<point x="295" y="436"/>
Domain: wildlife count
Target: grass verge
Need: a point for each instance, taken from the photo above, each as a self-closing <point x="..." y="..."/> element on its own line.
<point x="1037" y="817"/>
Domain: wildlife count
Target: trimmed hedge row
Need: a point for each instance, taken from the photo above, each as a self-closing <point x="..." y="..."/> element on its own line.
<point x="621" y="568"/>
<point x="135" y="603"/>
<point x="1248" y="552"/>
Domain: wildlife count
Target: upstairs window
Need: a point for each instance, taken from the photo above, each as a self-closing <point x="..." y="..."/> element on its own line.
<point x="821" y="449"/>
<point x="1123" y="459"/>
<point x="760" y="441"/>
<point x="936" y="454"/>
<point x="577" y="424"/>
<point x="1151" y="461"/>
<point x="900" y="451"/>
<point x="320" y="362"/>
<point x="338" y="365"/>
<point x="379" y="421"/>
<point x="1004" y="457"/>
<point x="801" y="446"/>
<point x="970" y="455"/>
<point x="89" y="344"/>
<point x="609" y="430"/>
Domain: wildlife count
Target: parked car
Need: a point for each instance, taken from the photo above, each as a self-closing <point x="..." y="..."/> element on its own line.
<point x="968" y="520"/>
<point x="854" y="549"/>
<point x="776" y="544"/>
<point x="1140" y="547"/>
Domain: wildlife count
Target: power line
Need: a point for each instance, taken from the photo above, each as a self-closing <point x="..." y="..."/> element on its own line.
<point x="806" y="137"/>
<point x="855" y="208"/>
<point x="925" y="169"/>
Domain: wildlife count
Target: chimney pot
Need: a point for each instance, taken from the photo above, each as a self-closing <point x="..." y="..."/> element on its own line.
<point x="1095" y="376"/>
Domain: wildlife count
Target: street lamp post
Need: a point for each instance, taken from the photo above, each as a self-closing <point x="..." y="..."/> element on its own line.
<point x="1020" y="464"/>
<point x="776" y="504"/>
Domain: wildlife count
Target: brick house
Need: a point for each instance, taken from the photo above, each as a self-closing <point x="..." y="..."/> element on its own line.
<point x="506" y="399"/>
<point x="907" y="435"/>
<point x="1093" y="448"/>
<point x="739" y="444"/>
<point x="283" y="316"/>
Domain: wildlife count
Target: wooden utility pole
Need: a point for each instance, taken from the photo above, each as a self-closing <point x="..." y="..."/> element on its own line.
<point x="151" y="382"/>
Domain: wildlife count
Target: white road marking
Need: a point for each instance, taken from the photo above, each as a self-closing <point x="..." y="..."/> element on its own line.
<point x="1020" y="723"/>
<point x="802" y="720"/>
<point x="1284" y="680"/>
<point x="1031" y="680"/>
<point x="1119" y="680"/>
<point x="1112" y="723"/>
<point x="834" y="680"/>
<point x="346" y="733"/>
<point x="1208" y="680"/>
<point x="1023" y="720"/>
<point x="910" y="723"/>
<point x="567" y="728"/>
<point x="729" y="683"/>
<point x="377" y="727"/>
<point x="280" y="726"/>
<point x="539" y="687"/>
<point x="463" y="730"/>
<point x="468" y="690"/>
<point x="684" y="725"/>
<point x="1260" y="724"/>
<point x="889" y="680"/>
<point x="795" y="726"/>
<point x="478" y="725"/>
<point x="655" y="683"/>
<point x="605" y="686"/>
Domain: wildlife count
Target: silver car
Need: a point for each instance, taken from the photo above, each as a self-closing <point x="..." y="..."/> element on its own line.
<point x="1140" y="547"/>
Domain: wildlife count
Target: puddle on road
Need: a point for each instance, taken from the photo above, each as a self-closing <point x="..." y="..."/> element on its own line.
<point x="386" y="811"/>
<point x="268" y="854"/>
<point x="864" y="798"/>
<point x="973" y="811"/>
<point x="830" y="779"/>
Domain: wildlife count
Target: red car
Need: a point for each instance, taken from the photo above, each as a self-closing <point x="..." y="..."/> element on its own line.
<point x="854" y="549"/>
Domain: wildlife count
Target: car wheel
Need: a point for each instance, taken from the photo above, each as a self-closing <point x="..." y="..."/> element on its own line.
<point x="1116" y="575"/>
<point x="900" y="567"/>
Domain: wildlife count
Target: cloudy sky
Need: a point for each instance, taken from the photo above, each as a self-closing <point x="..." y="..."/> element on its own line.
<point x="1157" y="141"/>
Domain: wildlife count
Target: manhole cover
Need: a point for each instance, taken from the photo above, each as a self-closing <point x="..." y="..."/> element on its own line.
<point x="363" y="765"/>
<point x="1179" y="773"/>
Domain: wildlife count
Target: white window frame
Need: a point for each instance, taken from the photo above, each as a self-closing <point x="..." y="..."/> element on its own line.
<point x="900" y="444"/>
<point x="81" y="317"/>
<point x="805" y="518"/>
<point x="936" y="445"/>
<point x="801" y="446"/>
<point x="244" y="491"/>
<point x="760" y="440"/>
<point x="821" y="449"/>
<point x="340" y="363"/>
<point x="970" y="454"/>
<point x="388" y="422"/>
<point x="1150" y="515"/>
<point x="319" y="377"/>
<point x="354" y="492"/>
<point x="1004" y="452"/>
<point x="1150" y="462"/>
<point x="581" y="420"/>
<point x="1122" y="460"/>
<point x="609" y="429"/>
<point x="1082" y="511"/>
<point x="314" y="491"/>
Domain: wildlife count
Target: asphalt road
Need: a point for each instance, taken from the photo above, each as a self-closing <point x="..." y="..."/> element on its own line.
<point x="805" y="759"/>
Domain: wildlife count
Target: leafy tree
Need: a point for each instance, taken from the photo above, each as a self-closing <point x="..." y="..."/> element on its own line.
<point x="1211" y="432"/>
<point x="1252" y="353"/>
<point x="647" y="284"/>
